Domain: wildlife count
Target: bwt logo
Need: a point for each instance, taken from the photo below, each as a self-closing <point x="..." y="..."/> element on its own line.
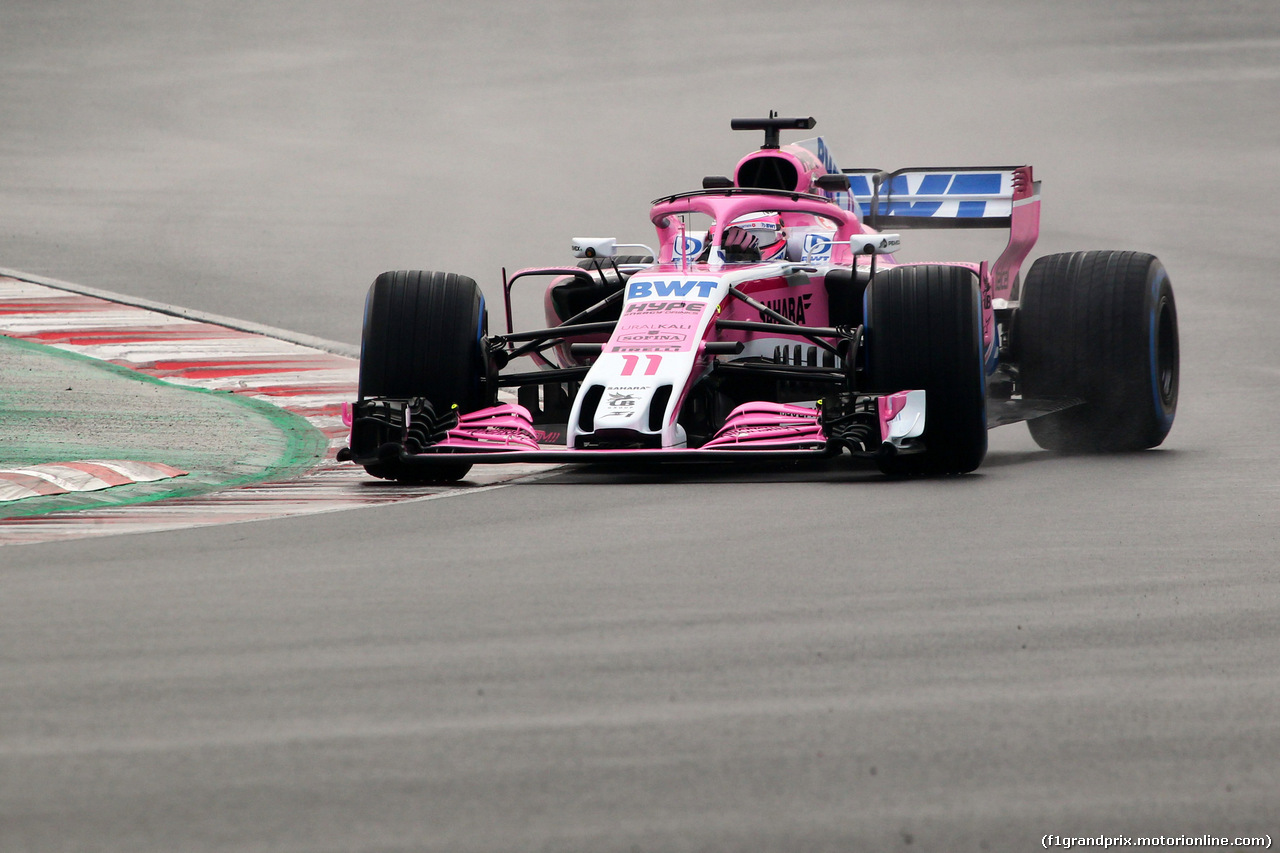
<point x="689" y="247"/>
<point x="675" y="287"/>
<point x="816" y="246"/>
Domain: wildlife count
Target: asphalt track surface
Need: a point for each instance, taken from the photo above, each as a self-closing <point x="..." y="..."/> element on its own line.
<point x="799" y="660"/>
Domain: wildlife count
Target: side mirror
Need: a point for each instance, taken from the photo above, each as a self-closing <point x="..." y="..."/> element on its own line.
<point x="594" y="247"/>
<point x="834" y="183"/>
<point x="875" y="244"/>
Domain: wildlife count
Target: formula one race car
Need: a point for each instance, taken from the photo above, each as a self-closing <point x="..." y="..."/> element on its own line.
<point x="773" y="322"/>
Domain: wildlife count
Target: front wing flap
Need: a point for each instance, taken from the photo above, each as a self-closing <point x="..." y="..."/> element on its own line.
<point x="385" y="430"/>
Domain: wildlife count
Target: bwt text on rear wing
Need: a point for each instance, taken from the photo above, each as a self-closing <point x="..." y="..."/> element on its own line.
<point x="957" y="197"/>
<point x="944" y="196"/>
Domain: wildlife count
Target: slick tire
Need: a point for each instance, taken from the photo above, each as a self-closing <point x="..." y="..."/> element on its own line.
<point x="424" y="336"/>
<point x="924" y="330"/>
<point x="1101" y="327"/>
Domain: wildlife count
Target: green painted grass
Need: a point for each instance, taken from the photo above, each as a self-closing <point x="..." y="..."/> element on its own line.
<point x="57" y="406"/>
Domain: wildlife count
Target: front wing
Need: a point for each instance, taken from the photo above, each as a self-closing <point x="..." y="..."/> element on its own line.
<point x="409" y="433"/>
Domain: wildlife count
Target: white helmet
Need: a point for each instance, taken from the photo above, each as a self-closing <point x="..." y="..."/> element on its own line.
<point x="768" y="231"/>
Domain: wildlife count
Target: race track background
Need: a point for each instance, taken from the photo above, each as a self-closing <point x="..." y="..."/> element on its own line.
<point x="284" y="464"/>
<point x="802" y="660"/>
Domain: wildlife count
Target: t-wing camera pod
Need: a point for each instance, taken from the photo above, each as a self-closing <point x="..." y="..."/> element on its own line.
<point x="772" y="125"/>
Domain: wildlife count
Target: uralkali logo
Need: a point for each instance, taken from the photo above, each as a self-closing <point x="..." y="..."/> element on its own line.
<point x="658" y="288"/>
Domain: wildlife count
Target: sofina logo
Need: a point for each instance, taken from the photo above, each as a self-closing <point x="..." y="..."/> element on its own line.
<point x="651" y="336"/>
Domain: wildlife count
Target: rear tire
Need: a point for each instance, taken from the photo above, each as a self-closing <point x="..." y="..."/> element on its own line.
<point x="924" y="330"/>
<point x="1103" y="327"/>
<point x="424" y="336"/>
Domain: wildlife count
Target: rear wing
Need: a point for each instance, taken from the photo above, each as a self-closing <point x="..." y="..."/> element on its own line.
<point x="941" y="196"/>
<point x="929" y="197"/>
<point x="956" y="197"/>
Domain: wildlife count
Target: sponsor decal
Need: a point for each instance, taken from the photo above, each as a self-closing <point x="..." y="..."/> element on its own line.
<point x="548" y="436"/>
<point x="888" y="244"/>
<point x="791" y="307"/>
<point x="646" y="348"/>
<point x="651" y="288"/>
<point x="651" y="336"/>
<point x="817" y="246"/>
<point x="824" y="155"/>
<point x="664" y="308"/>
<point x="818" y="147"/>
<point x="622" y="404"/>
<point x="763" y="227"/>
<point x="927" y="194"/>
<point x="689" y="247"/>
<point x="988" y="318"/>
<point x="1002" y="285"/>
<point x="645" y="325"/>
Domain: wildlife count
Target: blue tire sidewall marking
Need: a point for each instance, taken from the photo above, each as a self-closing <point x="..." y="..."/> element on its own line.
<point x="1165" y="415"/>
<point x="866" y="322"/>
<point x="368" y="308"/>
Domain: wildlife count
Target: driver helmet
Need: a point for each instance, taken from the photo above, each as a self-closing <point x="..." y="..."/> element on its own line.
<point x="737" y="246"/>
<point x="768" y="231"/>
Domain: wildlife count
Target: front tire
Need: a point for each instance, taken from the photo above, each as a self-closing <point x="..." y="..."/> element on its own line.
<point x="424" y="336"/>
<point x="1102" y="327"/>
<point x="924" y="330"/>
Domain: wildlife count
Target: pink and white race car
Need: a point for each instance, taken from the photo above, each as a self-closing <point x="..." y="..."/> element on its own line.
<point x="773" y="322"/>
